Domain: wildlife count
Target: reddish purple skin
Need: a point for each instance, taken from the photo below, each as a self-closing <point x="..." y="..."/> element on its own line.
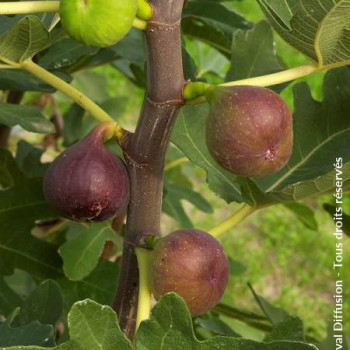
<point x="87" y="182"/>
<point x="192" y="264"/>
<point x="249" y="130"/>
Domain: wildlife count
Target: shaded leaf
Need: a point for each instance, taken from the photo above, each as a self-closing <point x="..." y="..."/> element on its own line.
<point x="80" y="255"/>
<point x="9" y="300"/>
<point x="18" y="248"/>
<point x="331" y="209"/>
<point x="290" y="329"/>
<point x="44" y="305"/>
<point x="28" y="117"/>
<point x="9" y="171"/>
<point x="304" y="214"/>
<point x="216" y="326"/>
<point x="28" y="158"/>
<point x="173" y="206"/>
<point x="31" y="334"/>
<point x="253" y="53"/>
<point x="19" y="80"/>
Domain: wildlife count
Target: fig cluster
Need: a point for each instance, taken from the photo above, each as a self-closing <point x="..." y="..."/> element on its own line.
<point x="192" y="264"/>
<point x="100" y="23"/>
<point x="87" y="182"/>
<point x="249" y="130"/>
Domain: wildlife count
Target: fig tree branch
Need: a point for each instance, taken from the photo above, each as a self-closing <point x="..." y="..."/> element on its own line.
<point x="145" y="149"/>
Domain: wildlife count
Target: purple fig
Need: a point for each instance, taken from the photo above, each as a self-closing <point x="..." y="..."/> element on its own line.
<point x="192" y="264"/>
<point x="249" y="130"/>
<point x="87" y="182"/>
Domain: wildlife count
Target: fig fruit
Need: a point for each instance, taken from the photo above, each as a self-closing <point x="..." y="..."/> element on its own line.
<point x="249" y="130"/>
<point x="192" y="264"/>
<point x="99" y="23"/>
<point x="87" y="182"/>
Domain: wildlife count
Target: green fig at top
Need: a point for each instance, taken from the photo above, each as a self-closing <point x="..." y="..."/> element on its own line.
<point x="249" y="130"/>
<point x="100" y="23"/>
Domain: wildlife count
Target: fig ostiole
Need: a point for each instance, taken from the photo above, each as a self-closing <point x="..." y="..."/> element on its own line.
<point x="192" y="264"/>
<point x="100" y="23"/>
<point x="87" y="182"/>
<point x="249" y="130"/>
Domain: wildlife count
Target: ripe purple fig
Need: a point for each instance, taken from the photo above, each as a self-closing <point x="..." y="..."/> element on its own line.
<point x="87" y="182"/>
<point x="192" y="264"/>
<point x="249" y="130"/>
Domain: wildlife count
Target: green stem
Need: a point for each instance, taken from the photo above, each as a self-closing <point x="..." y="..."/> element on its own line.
<point x="176" y="163"/>
<point x="76" y="95"/>
<point x="144" y="301"/>
<point x="24" y="7"/>
<point x="269" y="80"/>
<point x="277" y="78"/>
<point x="139" y="24"/>
<point x="232" y="221"/>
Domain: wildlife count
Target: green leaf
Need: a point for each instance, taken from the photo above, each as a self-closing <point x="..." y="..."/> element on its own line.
<point x="26" y="38"/>
<point x="19" y="80"/>
<point x="28" y="158"/>
<point x="253" y="53"/>
<point x="99" y="285"/>
<point x="274" y="314"/>
<point x="20" y="207"/>
<point x="304" y="214"/>
<point x="31" y="334"/>
<point x="290" y="329"/>
<point x="28" y="117"/>
<point x="216" y="326"/>
<point x="43" y="305"/>
<point x="319" y="29"/>
<point x="212" y="23"/>
<point x="9" y="171"/>
<point x="65" y="53"/>
<point x="189" y="136"/>
<point x="91" y="326"/>
<point x="9" y="300"/>
<point x="80" y="255"/>
<point x="170" y="323"/>
<point x="172" y="202"/>
<point x="331" y="209"/>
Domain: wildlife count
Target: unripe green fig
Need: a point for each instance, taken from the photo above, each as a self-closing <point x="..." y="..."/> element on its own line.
<point x="249" y="130"/>
<point x="192" y="264"/>
<point x="99" y="23"/>
<point x="87" y="182"/>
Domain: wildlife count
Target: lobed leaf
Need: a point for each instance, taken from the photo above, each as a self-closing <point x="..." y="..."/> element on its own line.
<point x="318" y="28"/>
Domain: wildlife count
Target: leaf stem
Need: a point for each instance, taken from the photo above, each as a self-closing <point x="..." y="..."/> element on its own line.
<point x="232" y="221"/>
<point x="176" y="163"/>
<point x="24" y="7"/>
<point x="76" y="95"/>
<point x="144" y="301"/>
<point x="139" y="24"/>
<point x="265" y="80"/>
